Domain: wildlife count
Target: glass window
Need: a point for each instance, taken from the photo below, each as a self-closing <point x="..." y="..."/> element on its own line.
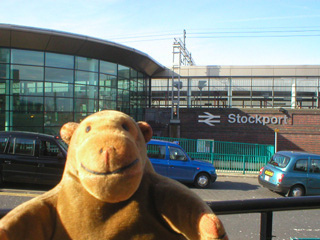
<point x="103" y="105"/>
<point x="27" y="73"/>
<point x="78" y="117"/>
<point x="58" y="89"/>
<point x="87" y="64"/>
<point x="124" y="71"/>
<point x="123" y="84"/>
<point x="28" y="119"/>
<point x="301" y="165"/>
<point x="3" y="143"/>
<point x="28" y="128"/>
<point x="4" y="71"/>
<point x="27" y="103"/>
<point x="177" y="154"/>
<point x="85" y="91"/>
<point x="59" y="60"/>
<point x="27" y="57"/>
<point x="279" y="160"/>
<point x="123" y="96"/>
<point x="4" y="55"/>
<point x="59" y="75"/>
<point x="86" y="78"/>
<point x="109" y="68"/>
<point x="28" y="88"/>
<point x="133" y="86"/>
<point x="86" y="105"/>
<point x="156" y="151"/>
<point x="57" y="118"/>
<point x="54" y="130"/>
<point x="108" y="81"/>
<point x="2" y="90"/>
<point x="133" y="73"/>
<point x="58" y="104"/>
<point x="315" y="166"/>
<point x="49" y="149"/>
<point x="22" y="146"/>
<point x="108" y="93"/>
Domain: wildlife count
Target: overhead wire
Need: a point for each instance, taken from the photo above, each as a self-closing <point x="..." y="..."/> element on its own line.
<point x="264" y="33"/>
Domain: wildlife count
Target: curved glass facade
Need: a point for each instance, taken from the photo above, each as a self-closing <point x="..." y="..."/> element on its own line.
<point x="40" y="91"/>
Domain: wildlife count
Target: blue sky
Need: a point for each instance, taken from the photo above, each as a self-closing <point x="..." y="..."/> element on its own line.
<point x="228" y="32"/>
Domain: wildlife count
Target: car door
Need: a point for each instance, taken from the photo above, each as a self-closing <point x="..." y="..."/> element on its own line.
<point x="20" y="163"/>
<point x="313" y="183"/>
<point x="51" y="162"/>
<point x="157" y="155"/>
<point x="180" y="166"/>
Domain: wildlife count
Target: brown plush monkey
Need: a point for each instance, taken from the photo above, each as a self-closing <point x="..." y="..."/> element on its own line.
<point x="109" y="190"/>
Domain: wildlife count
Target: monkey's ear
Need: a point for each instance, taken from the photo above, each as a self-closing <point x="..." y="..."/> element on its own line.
<point x="67" y="131"/>
<point x="146" y="130"/>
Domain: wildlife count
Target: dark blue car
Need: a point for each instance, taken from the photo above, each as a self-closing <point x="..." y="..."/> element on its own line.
<point x="170" y="160"/>
<point x="292" y="173"/>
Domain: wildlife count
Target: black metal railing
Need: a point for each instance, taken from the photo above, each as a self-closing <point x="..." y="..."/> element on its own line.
<point x="264" y="206"/>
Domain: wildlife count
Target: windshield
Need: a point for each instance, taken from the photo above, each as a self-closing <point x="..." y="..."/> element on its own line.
<point x="63" y="144"/>
<point x="279" y="160"/>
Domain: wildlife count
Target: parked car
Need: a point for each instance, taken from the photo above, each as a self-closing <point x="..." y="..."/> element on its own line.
<point x="170" y="160"/>
<point x="31" y="157"/>
<point x="292" y="173"/>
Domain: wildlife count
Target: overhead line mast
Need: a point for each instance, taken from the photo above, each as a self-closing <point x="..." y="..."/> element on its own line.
<point x="181" y="57"/>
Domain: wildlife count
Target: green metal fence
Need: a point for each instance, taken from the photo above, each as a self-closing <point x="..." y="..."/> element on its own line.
<point x="226" y="156"/>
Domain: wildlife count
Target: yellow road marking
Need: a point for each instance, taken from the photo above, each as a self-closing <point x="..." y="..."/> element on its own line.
<point x="19" y="194"/>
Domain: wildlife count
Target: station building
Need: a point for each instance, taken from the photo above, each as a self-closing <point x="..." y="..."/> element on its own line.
<point x="249" y="104"/>
<point x="48" y="78"/>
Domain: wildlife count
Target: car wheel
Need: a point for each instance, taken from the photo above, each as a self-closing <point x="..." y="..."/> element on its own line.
<point x="296" y="191"/>
<point x="202" y="180"/>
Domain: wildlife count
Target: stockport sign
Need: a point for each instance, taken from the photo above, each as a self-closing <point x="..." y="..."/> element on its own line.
<point x="210" y="119"/>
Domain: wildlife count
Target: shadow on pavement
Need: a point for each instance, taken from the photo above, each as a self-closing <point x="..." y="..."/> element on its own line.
<point x="24" y="186"/>
<point x="232" y="185"/>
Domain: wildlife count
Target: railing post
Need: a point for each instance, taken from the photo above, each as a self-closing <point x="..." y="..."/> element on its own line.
<point x="244" y="164"/>
<point x="266" y="225"/>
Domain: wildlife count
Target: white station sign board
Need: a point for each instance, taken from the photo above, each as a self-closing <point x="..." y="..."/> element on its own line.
<point x="211" y="120"/>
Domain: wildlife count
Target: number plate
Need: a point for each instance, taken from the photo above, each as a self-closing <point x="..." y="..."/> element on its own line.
<point x="268" y="173"/>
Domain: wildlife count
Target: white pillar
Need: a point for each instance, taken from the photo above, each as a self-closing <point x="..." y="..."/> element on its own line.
<point x="293" y="93"/>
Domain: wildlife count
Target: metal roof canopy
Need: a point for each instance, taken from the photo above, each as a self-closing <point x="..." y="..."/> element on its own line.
<point x="14" y="36"/>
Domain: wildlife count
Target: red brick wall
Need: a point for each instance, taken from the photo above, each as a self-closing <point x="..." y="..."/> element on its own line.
<point x="302" y="131"/>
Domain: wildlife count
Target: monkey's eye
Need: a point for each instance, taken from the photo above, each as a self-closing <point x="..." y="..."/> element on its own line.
<point x="88" y="129"/>
<point x="125" y="127"/>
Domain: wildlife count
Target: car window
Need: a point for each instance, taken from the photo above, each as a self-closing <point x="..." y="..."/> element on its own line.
<point x="3" y="144"/>
<point x="156" y="151"/>
<point x="315" y="166"/>
<point x="301" y="165"/>
<point x="49" y="149"/>
<point x="177" y="154"/>
<point x="22" y="146"/>
<point x="63" y="144"/>
<point x="279" y="160"/>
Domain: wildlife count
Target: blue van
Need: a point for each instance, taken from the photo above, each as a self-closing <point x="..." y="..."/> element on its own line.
<point x="170" y="160"/>
<point x="292" y="173"/>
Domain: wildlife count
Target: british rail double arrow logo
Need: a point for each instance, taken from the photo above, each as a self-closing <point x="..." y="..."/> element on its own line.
<point x="209" y="119"/>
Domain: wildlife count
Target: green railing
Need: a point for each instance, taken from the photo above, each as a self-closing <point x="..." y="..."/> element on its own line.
<point x="226" y="156"/>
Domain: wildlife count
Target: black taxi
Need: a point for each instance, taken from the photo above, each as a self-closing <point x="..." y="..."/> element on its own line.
<point x="29" y="157"/>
